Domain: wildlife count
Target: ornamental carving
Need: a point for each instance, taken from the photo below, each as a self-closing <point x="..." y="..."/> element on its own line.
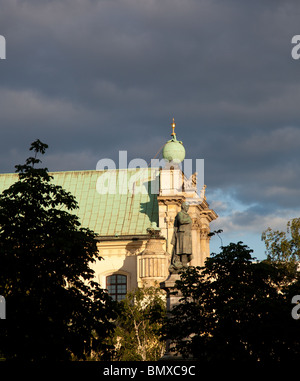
<point x="169" y="221"/>
<point x="204" y="233"/>
<point x="196" y="224"/>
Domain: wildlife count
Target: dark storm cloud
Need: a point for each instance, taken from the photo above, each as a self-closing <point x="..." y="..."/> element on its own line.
<point x="91" y="78"/>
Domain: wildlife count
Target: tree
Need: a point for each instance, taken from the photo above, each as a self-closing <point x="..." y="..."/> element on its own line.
<point x="283" y="247"/>
<point x="137" y="336"/>
<point x="55" y="310"/>
<point x="234" y="309"/>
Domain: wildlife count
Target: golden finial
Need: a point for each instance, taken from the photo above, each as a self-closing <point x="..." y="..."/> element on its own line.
<point x="173" y="126"/>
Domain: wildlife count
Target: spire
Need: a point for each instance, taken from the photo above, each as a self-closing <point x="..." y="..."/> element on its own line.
<point x="173" y="127"/>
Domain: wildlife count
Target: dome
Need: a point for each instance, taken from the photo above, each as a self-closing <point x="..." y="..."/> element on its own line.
<point x="174" y="149"/>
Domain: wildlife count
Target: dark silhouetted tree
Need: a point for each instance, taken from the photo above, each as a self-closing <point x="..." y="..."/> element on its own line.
<point x="235" y="309"/>
<point x="55" y="310"/>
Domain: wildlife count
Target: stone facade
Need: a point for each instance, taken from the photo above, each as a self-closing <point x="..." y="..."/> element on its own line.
<point x="144" y="259"/>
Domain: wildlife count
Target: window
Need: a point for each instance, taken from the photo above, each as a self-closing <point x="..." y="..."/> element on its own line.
<point x="117" y="286"/>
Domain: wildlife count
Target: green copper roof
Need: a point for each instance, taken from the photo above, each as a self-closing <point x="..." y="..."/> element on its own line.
<point x="110" y="202"/>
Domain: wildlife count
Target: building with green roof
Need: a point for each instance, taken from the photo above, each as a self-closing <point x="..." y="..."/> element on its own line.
<point x="124" y="206"/>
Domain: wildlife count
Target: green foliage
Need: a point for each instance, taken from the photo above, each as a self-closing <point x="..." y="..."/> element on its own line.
<point x="54" y="308"/>
<point x="137" y="336"/>
<point x="283" y="246"/>
<point x="235" y="309"/>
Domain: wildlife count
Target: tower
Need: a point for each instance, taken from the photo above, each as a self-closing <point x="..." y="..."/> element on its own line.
<point x="175" y="188"/>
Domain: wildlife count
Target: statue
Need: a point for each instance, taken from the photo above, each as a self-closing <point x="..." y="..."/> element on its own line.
<point x="181" y="240"/>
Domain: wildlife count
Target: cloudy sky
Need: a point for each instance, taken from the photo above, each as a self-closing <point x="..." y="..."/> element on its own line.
<point x="92" y="77"/>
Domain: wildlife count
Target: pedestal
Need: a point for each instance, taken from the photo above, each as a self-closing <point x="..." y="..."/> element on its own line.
<point x="169" y="286"/>
<point x="172" y="300"/>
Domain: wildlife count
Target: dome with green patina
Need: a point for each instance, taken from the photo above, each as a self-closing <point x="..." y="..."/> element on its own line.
<point x="174" y="149"/>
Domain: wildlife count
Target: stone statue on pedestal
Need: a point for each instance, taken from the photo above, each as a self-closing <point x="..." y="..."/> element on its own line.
<point x="181" y="241"/>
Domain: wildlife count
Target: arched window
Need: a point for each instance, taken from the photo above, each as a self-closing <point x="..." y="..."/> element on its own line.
<point x="116" y="285"/>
